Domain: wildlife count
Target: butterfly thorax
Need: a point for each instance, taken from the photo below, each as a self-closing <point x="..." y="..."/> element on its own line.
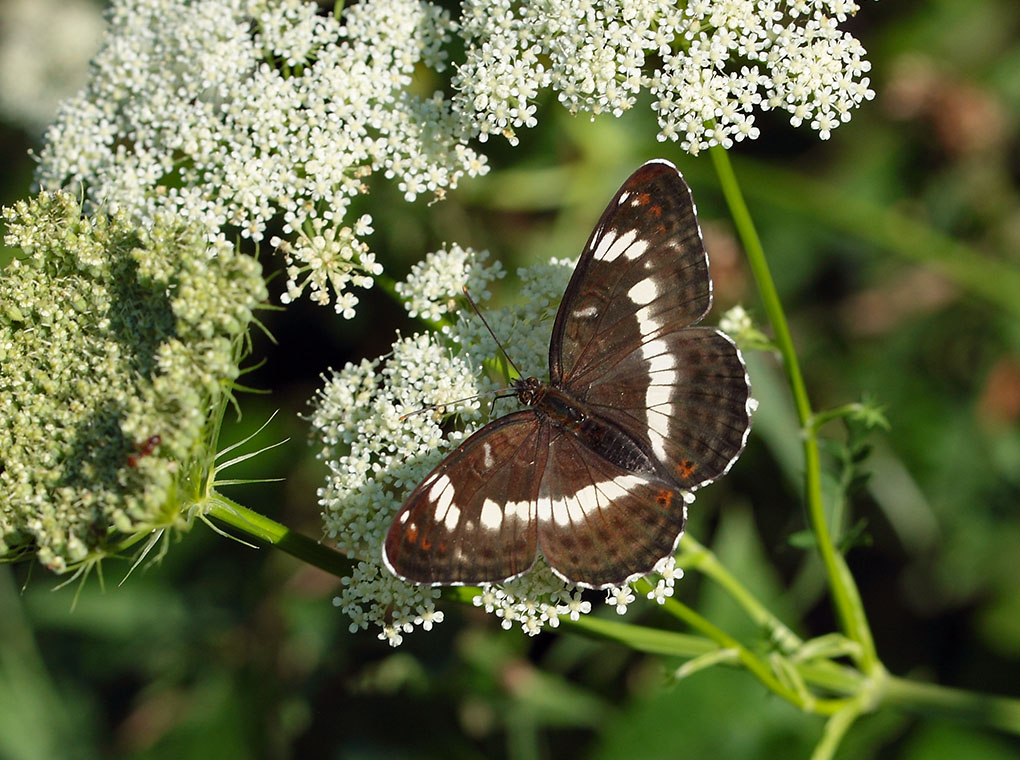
<point x="550" y="402"/>
<point x="565" y="412"/>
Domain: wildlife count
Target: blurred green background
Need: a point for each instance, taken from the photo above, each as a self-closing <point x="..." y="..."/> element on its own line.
<point x="888" y="244"/>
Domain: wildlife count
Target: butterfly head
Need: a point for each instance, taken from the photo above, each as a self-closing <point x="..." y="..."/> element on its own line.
<point x="529" y="390"/>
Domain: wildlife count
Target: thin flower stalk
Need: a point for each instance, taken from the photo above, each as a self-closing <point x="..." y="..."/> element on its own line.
<point x="845" y="595"/>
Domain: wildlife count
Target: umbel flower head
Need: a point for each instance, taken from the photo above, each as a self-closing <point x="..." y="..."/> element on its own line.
<point x="247" y="116"/>
<point x="116" y="346"/>
<point x="238" y="114"/>
<point x="376" y="456"/>
<point x="709" y="64"/>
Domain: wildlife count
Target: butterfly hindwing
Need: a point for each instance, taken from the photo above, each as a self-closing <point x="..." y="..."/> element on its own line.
<point x="600" y="524"/>
<point x="685" y="393"/>
<point x="473" y="518"/>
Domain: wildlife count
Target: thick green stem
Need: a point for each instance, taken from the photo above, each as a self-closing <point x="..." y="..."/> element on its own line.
<point x="641" y="638"/>
<point x="269" y="532"/>
<point x="841" y="583"/>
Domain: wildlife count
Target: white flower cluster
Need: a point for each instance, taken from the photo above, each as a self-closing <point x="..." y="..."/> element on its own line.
<point x="246" y="115"/>
<point x="736" y="322"/>
<point x="434" y="285"/>
<point x="533" y="601"/>
<point x="238" y="114"/>
<point x="376" y="457"/>
<point x="372" y="595"/>
<point x="328" y="258"/>
<point x="708" y="63"/>
<point x="541" y="598"/>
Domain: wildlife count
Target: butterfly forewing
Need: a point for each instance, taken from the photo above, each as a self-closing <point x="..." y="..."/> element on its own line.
<point x="473" y="518"/>
<point x="623" y="342"/>
<point x="644" y="271"/>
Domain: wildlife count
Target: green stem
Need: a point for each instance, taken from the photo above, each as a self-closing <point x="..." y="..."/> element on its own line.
<point x="698" y="557"/>
<point x="828" y="675"/>
<point x="641" y="638"/>
<point x="271" y="533"/>
<point x="845" y="596"/>
<point x="939" y="701"/>
<point x="847" y="410"/>
<point x="747" y="658"/>
<point x="833" y="677"/>
<point x="886" y="226"/>
<point x="835" y="729"/>
<point x="920" y="698"/>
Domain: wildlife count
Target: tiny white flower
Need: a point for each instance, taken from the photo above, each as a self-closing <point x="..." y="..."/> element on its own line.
<point x="619" y="597"/>
<point x="575" y="607"/>
<point x="429" y="617"/>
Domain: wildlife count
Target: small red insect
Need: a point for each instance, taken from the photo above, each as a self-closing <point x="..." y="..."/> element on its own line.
<point x="144" y="449"/>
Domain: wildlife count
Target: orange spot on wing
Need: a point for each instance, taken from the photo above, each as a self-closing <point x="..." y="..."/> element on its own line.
<point x="412" y="534"/>
<point x="664" y="497"/>
<point x="685" y="469"/>
<point x="655" y="211"/>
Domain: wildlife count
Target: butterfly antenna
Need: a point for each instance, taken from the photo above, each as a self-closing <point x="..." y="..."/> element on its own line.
<point x="478" y="311"/>
<point x="432" y="407"/>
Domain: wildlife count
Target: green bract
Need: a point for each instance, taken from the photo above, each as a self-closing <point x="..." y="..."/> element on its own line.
<point x="117" y="346"/>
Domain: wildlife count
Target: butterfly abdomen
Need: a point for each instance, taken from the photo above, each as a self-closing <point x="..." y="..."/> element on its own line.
<point x="614" y="445"/>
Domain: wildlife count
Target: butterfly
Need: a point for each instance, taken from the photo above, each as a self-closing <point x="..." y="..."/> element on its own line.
<point x="641" y="408"/>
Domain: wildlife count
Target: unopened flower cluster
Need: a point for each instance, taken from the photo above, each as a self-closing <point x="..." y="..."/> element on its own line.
<point x="115" y="345"/>
<point x="254" y="115"/>
<point x="376" y="457"/>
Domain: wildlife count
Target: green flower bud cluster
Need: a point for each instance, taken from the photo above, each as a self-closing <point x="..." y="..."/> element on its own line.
<point x="118" y="347"/>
